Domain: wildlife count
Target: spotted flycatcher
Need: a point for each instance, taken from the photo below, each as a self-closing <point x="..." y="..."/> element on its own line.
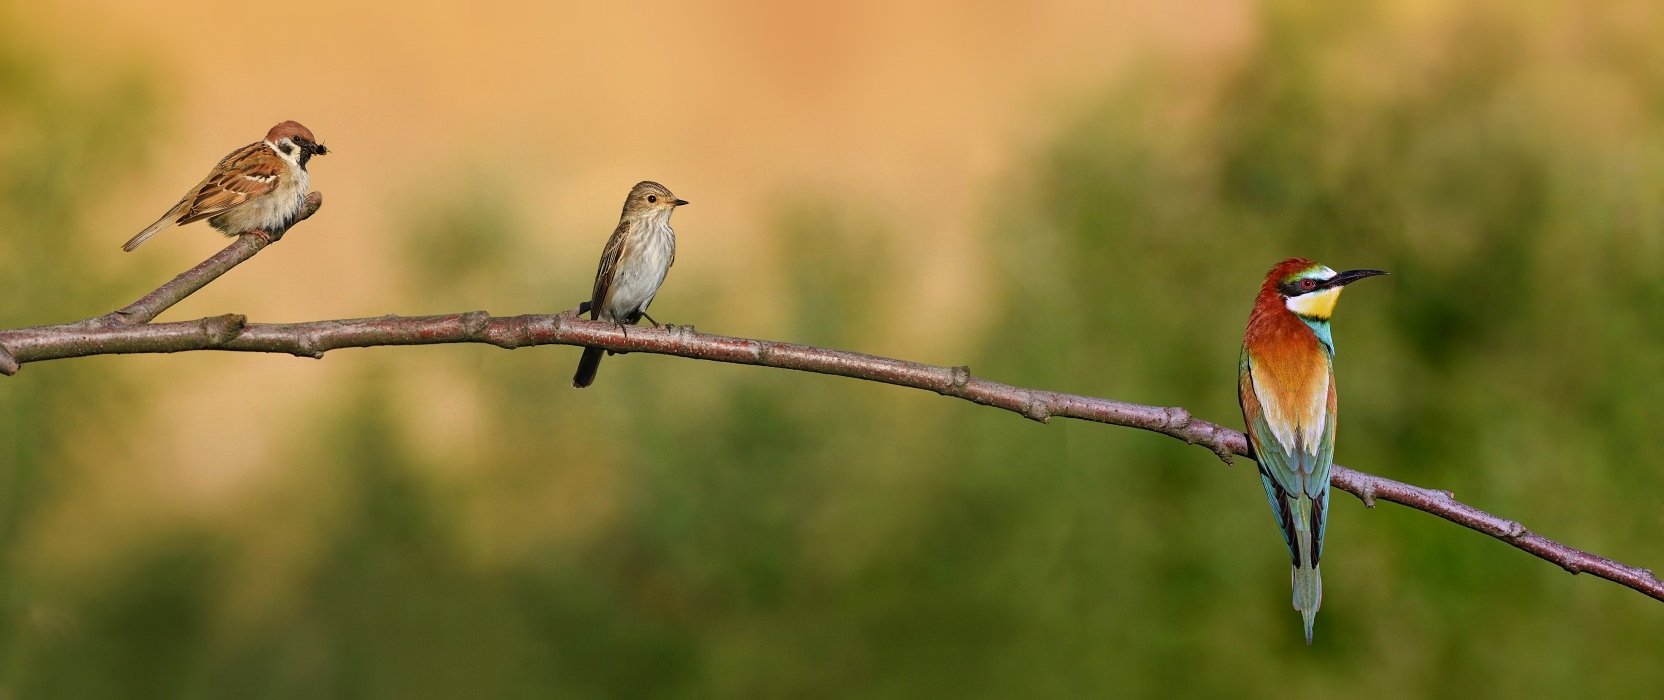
<point x="634" y="264"/>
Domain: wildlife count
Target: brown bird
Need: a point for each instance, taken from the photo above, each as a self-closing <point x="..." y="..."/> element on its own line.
<point x="261" y="186"/>
<point x="634" y="264"/>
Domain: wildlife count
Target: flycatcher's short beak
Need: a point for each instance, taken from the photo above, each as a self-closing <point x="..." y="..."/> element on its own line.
<point x="1350" y="276"/>
<point x="680" y="202"/>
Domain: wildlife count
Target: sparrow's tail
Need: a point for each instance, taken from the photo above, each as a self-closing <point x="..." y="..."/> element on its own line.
<point x="1306" y="575"/>
<point x="586" y="368"/>
<point x="162" y="223"/>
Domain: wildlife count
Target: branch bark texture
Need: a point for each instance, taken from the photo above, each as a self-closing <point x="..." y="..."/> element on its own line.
<point x="153" y="304"/>
<point x="106" y="335"/>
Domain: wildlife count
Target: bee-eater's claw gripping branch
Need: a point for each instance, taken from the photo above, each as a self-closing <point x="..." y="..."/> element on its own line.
<point x="230" y="332"/>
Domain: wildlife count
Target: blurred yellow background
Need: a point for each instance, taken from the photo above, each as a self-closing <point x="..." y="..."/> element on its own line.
<point x="1066" y="195"/>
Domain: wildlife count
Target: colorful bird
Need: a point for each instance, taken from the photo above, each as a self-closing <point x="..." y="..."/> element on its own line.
<point x="1287" y="389"/>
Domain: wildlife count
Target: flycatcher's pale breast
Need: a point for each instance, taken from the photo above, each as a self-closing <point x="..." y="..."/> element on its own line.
<point x="641" y="269"/>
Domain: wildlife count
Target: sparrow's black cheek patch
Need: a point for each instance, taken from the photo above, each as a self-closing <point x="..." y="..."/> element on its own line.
<point x="287" y="149"/>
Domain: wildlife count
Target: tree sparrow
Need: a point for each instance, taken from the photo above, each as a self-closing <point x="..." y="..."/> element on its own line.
<point x="261" y="186"/>
<point x="634" y="264"/>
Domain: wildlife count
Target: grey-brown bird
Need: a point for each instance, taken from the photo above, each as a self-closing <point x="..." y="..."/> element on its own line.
<point x="639" y="253"/>
<point x="261" y="186"/>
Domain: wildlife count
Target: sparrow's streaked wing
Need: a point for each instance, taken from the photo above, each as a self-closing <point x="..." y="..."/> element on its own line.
<point x="247" y="172"/>
<point x="250" y="172"/>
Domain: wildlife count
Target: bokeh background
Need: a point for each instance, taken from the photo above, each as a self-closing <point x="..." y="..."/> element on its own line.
<point x="1071" y="195"/>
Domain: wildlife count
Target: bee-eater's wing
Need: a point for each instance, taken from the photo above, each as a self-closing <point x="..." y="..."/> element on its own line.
<point x="1288" y="467"/>
<point x="1317" y="485"/>
<point x="1273" y="459"/>
<point x="608" y="268"/>
<point x="250" y="172"/>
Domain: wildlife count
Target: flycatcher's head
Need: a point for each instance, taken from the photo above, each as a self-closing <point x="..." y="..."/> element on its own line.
<point x="1310" y="290"/>
<point x="295" y="142"/>
<point x="650" y="200"/>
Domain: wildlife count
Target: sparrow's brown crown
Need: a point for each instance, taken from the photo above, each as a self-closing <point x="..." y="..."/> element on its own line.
<point x="291" y="130"/>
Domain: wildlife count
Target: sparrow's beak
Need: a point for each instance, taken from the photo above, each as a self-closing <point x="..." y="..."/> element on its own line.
<point x="318" y="149"/>
<point x="1348" y="277"/>
<point x="680" y="202"/>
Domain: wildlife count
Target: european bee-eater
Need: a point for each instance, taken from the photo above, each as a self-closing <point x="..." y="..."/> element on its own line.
<point x="1287" y="388"/>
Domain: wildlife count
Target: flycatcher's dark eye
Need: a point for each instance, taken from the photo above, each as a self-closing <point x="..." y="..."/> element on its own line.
<point x="653" y="198"/>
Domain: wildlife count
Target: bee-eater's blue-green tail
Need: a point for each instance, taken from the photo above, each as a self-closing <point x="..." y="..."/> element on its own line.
<point x="1308" y="596"/>
<point x="1307" y="575"/>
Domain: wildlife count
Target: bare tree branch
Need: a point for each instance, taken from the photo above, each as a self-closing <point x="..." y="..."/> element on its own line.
<point x="231" y="332"/>
<point x="186" y="284"/>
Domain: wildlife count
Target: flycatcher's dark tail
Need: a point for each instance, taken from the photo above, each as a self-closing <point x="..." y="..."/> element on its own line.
<point x="587" y="367"/>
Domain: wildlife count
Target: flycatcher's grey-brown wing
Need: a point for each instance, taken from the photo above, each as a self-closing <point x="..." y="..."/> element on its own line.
<point x="607" y="271"/>
<point x="249" y="172"/>
<point x="604" y="275"/>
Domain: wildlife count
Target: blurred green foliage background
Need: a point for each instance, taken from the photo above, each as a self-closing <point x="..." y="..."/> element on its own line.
<point x="773" y="534"/>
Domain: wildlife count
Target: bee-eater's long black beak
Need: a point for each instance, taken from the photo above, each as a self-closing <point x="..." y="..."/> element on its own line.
<point x="680" y="202"/>
<point x="1350" y="276"/>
